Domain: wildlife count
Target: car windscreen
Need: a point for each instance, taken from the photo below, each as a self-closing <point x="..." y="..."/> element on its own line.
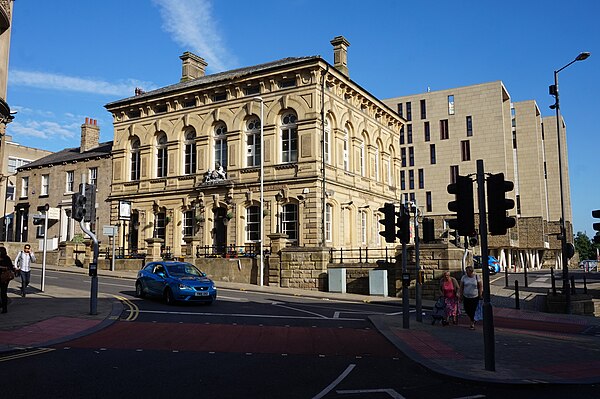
<point x="182" y="270"/>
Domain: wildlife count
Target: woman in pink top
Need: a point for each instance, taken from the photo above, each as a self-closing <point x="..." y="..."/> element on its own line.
<point x="449" y="290"/>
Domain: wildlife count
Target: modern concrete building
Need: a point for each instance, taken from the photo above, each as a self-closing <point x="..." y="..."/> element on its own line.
<point x="447" y="131"/>
<point x="54" y="178"/>
<point x="15" y="155"/>
<point x="187" y="158"/>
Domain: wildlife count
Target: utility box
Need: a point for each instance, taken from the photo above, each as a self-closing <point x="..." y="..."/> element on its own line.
<point x="337" y="280"/>
<point x="378" y="282"/>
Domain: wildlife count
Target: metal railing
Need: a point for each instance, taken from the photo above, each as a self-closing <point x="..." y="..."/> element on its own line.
<point x="122" y="253"/>
<point x="366" y="256"/>
<point x="229" y="251"/>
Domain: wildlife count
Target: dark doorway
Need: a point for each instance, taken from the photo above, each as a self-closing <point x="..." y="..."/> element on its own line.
<point x="134" y="225"/>
<point x="220" y="236"/>
<point x="22" y="215"/>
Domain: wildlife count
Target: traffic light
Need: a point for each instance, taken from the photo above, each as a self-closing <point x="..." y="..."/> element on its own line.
<point x="428" y="230"/>
<point x="403" y="224"/>
<point x="473" y="240"/>
<point x="455" y="238"/>
<point x="462" y="205"/>
<point x="78" y="206"/>
<point x="498" y="204"/>
<point x="90" y="203"/>
<point x="596" y="226"/>
<point x="388" y="222"/>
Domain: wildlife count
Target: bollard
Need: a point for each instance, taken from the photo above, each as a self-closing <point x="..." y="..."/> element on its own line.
<point x="572" y="285"/>
<point x="584" y="285"/>
<point x="505" y="276"/>
<point x="553" y="280"/>
<point x="517" y="305"/>
<point x="525" y="274"/>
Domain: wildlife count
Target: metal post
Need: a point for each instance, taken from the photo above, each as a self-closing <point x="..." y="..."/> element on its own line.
<point x="44" y="249"/>
<point x="405" y="294"/>
<point x="525" y="274"/>
<point x="418" y="287"/>
<point x="553" y="281"/>
<point x="517" y="302"/>
<point x="114" y="238"/>
<point x="488" y="316"/>
<point x="505" y="276"/>
<point x="262" y="193"/>
<point x="94" y="264"/>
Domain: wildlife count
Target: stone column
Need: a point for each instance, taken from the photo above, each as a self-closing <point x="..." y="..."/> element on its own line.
<point x="190" y="248"/>
<point x="153" y="249"/>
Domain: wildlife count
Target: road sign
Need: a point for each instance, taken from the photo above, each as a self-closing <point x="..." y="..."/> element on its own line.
<point x="110" y="231"/>
<point x="53" y="213"/>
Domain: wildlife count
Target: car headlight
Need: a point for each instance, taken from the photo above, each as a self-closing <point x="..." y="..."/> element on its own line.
<point x="185" y="287"/>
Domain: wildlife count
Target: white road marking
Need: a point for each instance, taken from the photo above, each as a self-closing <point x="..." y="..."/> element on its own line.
<point x="300" y="310"/>
<point x="389" y="391"/>
<point x="247" y="315"/>
<point x="330" y="387"/>
<point x="472" y="397"/>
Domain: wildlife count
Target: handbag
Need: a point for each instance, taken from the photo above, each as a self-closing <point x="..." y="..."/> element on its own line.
<point x="479" y="311"/>
<point x="6" y="276"/>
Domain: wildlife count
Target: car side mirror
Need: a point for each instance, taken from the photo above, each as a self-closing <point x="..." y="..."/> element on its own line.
<point x="162" y="274"/>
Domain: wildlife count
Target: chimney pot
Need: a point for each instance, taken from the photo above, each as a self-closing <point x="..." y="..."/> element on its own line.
<point x="192" y="66"/>
<point x="340" y="54"/>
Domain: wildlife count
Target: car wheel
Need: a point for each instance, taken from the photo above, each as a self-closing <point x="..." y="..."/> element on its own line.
<point x="139" y="290"/>
<point x="169" y="298"/>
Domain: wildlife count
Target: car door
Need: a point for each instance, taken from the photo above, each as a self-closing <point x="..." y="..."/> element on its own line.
<point x="156" y="282"/>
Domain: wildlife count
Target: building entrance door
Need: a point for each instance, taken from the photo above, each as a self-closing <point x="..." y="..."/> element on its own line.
<point x="220" y="229"/>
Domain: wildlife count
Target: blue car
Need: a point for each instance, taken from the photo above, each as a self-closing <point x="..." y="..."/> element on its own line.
<point x="175" y="281"/>
<point x="493" y="264"/>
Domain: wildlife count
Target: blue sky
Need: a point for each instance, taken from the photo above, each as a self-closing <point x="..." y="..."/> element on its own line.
<point x="69" y="58"/>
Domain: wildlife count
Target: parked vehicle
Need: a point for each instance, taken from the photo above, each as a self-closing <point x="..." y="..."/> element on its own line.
<point x="589" y="265"/>
<point x="175" y="281"/>
<point x="493" y="263"/>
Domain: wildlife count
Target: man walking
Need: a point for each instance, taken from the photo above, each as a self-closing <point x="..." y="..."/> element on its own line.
<point x="23" y="263"/>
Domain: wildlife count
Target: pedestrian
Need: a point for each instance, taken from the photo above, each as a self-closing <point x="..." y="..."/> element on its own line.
<point x="449" y="290"/>
<point x="471" y="291"/>
<point x="23" y="263"/>
<point x="6" y="266"/>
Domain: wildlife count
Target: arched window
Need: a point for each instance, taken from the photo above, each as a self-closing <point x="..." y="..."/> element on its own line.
<point x="289" y="138"/>
<point x="189" y="156"/>
<point x="345" y="143"/>
<point x="328" y="222"/>
<point x="253" y="223"/>
<point x="361" y="153"/>
<point x="327" y="141"/>
<point x="362" y="215"/>
<point x="377" y="155"/>
<point x="135" y="159"/>
<point x="221" y="145"/>
<point x="161" y="155"/>
<point x="289" y="222"/>
<point x="253" y="142"/>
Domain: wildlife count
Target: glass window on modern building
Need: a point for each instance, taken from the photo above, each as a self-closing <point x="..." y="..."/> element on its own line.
<point x="189" y="152"/>
<point x="409" y="134"/>
<point x="469" y="123"/>
<point x="423" y="110"/>
<point x="428" y="206"/>
<point x="421" y="178"/>
<point x="289" y="138"/>
<point x="400" y="109"/>
<point x="453" y="173"/>
<point x="465" y="150"/>
<point x="408" y="112"/>
<point x="135" y="159"/>
<point x="161" y="155"/>
<point x="432" y="159"/>
<point x="70" y="181"/>
<point x="402" y="180"/>
<point x="14" y="163"/>
<point x="411" y="156"/>
<point x="403" y="157"/>
<point x="221" y="145"/>
<point x="402" y="135"/>
<point x="427" y="131"/>
<point x="451" y="105"/>
<point x="411" y="179"/>
<point x="253" y="142"/>
<point x="444" y="134"/>
<point x="45" y="184"/>
<point x="253" y="223"/>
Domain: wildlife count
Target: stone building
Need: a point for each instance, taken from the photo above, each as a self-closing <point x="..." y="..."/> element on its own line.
<point x="15" y="155"/>
<point x="187" y="158"/>
<point x="54" y="178"/>
<point x="6" y="7"/>
<point x="447" y="131"/>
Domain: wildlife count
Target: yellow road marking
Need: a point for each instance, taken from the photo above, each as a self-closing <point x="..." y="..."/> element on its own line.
<point x="26" y="354"/>
<point x="134" y="311"/>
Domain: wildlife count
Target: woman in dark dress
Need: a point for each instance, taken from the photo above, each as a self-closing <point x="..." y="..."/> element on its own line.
<point x="5" y="264"/>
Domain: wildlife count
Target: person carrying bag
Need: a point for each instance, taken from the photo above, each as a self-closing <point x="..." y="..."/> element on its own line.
<point x="23" y="262"/>
<point x="7" y="273"/>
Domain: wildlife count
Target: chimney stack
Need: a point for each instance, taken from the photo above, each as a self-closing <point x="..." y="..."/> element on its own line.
<point x="90" y="135"/>
<point x="192" y="66"/>
<point x="340" y="54"/>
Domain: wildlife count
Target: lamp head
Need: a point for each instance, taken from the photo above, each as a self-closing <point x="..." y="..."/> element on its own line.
<point x="583" y="56"/>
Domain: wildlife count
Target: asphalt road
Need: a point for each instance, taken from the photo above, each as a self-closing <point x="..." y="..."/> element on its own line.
<point x="245" y="345"/>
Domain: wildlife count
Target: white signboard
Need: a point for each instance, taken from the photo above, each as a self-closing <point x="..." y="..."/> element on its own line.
<point x="124" y="210"/>
<point x="53" y="213"/>
<point x="110" y="231"/>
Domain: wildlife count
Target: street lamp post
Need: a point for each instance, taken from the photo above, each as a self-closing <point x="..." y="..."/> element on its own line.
<point x="262" y="193"/>
<point x="563" y="230"/>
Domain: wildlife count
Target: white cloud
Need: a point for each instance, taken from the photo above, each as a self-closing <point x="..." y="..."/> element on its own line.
<point x="60" y="82"/>
<point x="42" y="130"/>
<point x="193" y="27"/>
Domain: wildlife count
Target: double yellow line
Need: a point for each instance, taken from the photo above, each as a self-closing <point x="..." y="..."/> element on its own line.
<point x="26" y="354"/>
<point x="134" y="311"/>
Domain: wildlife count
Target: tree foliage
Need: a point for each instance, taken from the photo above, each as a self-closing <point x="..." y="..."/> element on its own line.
<point x="585" y="247"/>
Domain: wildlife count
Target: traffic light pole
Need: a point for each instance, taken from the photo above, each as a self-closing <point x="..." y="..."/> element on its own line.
<point x="488" y="316"/>
<point x="93" y="268"/>
<point x="44" y="249"/>
<point x="418" y="286"/>
<point x="405" y="294"/>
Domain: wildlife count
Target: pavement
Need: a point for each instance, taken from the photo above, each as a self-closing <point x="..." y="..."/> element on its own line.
<point x="528" y="346"/>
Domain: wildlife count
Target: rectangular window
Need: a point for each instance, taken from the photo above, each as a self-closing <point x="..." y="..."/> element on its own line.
<point x="421" y="178"/>
<point x="363" y="227"/>
<point x="160" y="109"/>
<point x="253" y="149"/>
<point x="219" y="97"/>
<point x="70" y="181"/>
<point x="189" y="103"/>
<point x="408" y="112"/>
<point x="427" y="130"/>
<point x="327" y="145"/>
<point x="432" y="159"/>
<point x="423" y="110"/>
<point x="469" y="123"/>
<point x="289" y="145"/>
<point x="411" y="156"/>
<point x="409" y="138"/>
<point x="362" y="159"/>
<point x="514" y="138"/>
<point x="189" y="161"/>
<point x="289" y="222"/>
<point x="400" y="109"/>
<point x="453" y="173"/>
<point x="328" y="210"/>
<point x="14" y="163"/>
<point x="412" y="197"/>
<point x="411" y="179"/>
<point x="252" y="90"/>
<point x="93" y="176"/>
<point x="287" y="83"/>
<point x="253" y="224"/>
<point x="10" y="192"/>
<point x="402" y="180"/>
<point x="45" y="184"/>
<point x="444" y="134"/>
<point x="161" y="162"/>
<point x="160" y="223"/>
<point x="135" y="165"/>
<point x="221" y="152"/>
<point x="451" y="105"/>
<point x="403" y="157"/>
<point x="188" y="223"/>
<point x="24" y="187"/>
<point x="402" y="135"/>
<point x="465" y="150"/>
<point x="428" y="206"/>
<point x="134" y="113"/>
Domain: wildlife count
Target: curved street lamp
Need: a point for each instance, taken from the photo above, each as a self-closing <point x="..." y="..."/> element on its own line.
<point x="563" y="231"/>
